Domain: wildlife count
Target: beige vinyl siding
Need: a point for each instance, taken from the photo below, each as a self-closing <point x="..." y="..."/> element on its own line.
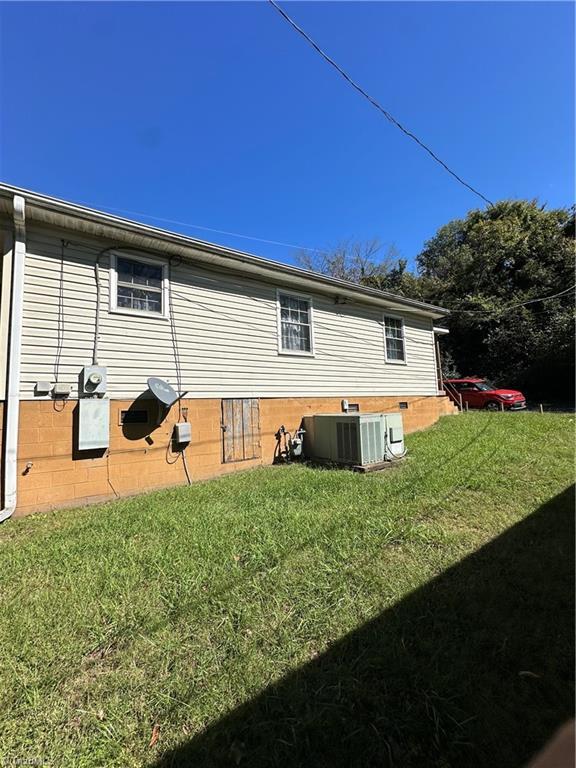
<point x="226" y="329"/>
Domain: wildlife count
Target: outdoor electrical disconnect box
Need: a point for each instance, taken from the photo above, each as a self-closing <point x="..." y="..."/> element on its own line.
<point x="42" y="388"/>
<point x="182" y="433"/>
<point x="61" y="390"/>
<point x="93" y="380"/>
<point x="93" y="423"/>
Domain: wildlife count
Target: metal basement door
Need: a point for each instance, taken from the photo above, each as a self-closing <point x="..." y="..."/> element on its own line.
<point x="240" y="429"/>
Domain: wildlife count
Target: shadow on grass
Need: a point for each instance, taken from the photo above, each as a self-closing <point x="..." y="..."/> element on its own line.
<point x="474" y="669"/>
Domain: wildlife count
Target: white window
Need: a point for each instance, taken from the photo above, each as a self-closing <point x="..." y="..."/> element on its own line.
<point x="394" y="339"/>
<point x="295" y="324"/>
<point x="138" y="285"/>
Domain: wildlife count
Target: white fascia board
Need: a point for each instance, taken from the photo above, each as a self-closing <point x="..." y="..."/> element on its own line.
<point x="59" y="213"/>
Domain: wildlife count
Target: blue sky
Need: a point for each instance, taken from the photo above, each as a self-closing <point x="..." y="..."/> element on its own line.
<point x="218" y="114"/>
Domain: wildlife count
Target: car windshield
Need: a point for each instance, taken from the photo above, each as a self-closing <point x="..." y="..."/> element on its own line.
<point x="485" y="386"/>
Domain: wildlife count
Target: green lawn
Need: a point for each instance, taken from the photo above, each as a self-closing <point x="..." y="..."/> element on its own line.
<point x="291" y="616"/>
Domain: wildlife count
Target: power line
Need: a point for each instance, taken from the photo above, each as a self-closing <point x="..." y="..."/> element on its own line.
<point x="197" y="226"/>
<point x="494" y="312"/>
<point x="374" y="103"/>
<point x="514" y="306"/>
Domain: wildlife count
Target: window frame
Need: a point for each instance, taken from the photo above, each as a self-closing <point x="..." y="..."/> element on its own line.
<point x="393" y="316"/>
<point x="164" y="290"/>
<point x="301" y="297"/>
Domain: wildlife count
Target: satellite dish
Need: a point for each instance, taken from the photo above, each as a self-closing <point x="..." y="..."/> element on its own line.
<point x="163" y="392"/>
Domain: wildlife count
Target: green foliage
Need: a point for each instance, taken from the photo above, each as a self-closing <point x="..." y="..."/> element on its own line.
<point x="449" y="368"/>
<point x="481" y="266"/>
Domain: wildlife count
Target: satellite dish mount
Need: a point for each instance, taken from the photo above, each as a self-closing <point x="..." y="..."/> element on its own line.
<point x="164" y="393"/>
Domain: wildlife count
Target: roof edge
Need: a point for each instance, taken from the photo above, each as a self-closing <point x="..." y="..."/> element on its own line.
<point x="84" y="213"/>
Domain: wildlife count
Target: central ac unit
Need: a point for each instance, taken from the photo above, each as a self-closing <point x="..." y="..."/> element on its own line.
<point x="355" y="439"/>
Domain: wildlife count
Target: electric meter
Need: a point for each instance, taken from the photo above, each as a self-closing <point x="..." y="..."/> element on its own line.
<point x="93" y="380"/>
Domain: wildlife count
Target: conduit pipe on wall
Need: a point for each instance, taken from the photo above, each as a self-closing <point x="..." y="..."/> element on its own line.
<point x="12" y="402"/>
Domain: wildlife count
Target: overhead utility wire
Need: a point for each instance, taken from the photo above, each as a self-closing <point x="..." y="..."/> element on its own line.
<point x="514" y="306"/>
<point x="197" y="226"/>
<point x="374" y="103"/>
<point x="495" y="312"/>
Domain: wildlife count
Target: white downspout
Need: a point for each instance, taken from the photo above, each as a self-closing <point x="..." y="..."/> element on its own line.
<point x="12" y="403"/>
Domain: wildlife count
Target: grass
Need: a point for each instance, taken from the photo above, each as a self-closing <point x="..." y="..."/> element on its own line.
<point x="298" y="616"/>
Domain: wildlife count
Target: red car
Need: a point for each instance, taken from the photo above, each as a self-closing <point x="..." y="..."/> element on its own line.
<point x="479" y="393"/>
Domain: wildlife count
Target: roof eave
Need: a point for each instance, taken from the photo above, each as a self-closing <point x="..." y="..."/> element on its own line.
<point x="50" y="210"/>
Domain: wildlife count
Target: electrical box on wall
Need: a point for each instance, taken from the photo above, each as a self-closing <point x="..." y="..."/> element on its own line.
<point x="93" y="380"/>
<point x="42" y="388"/>
<point x="61" y="390"/>
<point x="182" y="433"/>
<point x="93" y="424"/>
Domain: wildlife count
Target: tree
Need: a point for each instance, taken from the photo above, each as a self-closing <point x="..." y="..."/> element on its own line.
<point x="481" y="267"/>
<point x="366" y="263"/>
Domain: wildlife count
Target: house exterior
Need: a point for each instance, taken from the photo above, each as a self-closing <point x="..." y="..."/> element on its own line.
<point x="253" y="343"/>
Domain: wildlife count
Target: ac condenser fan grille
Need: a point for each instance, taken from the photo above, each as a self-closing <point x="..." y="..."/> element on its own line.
<point x="347" y="441"/>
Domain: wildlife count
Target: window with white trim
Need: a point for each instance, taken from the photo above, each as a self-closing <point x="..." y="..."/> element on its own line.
<point x="295" y="324"/>
<point x="138" y="285"/>
<point x="394" y="339"/>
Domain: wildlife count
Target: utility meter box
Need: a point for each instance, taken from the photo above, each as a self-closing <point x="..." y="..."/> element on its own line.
<point x="182" y="432"/>
<point x="93" y="380"/>
<point x="93" y="424"/>
<point x="61" y="389"/>
<point x="356" y="439"/>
